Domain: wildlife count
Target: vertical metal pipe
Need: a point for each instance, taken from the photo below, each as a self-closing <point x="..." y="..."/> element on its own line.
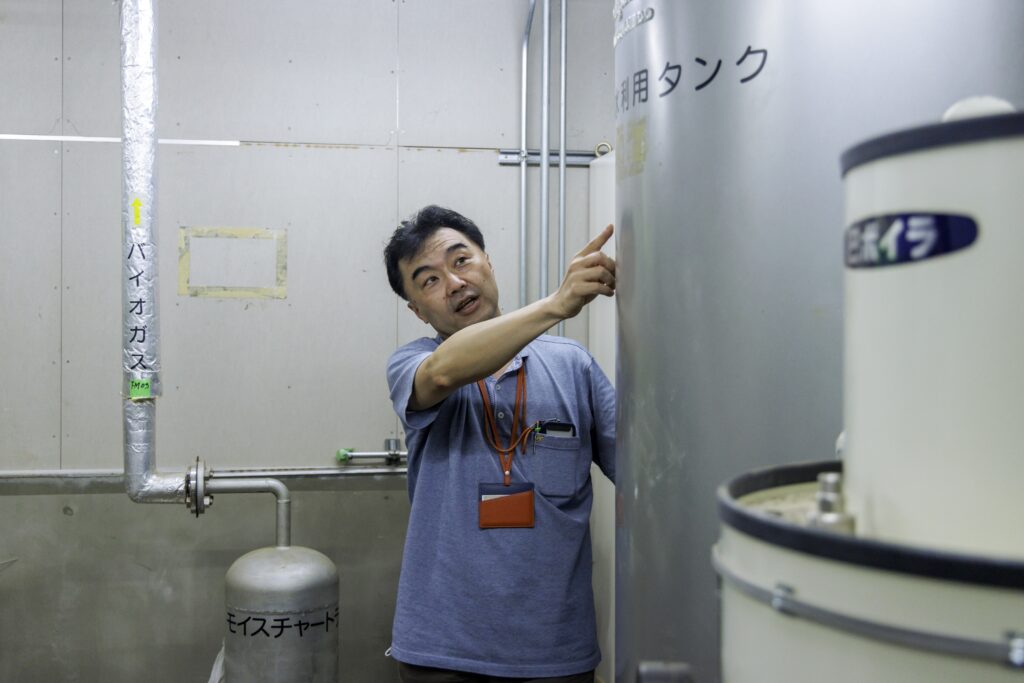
<point x="561" y="153"/>
<point x="141" y="351"/>
<point x="266" y="485"/>
<point x="284" y="523"/>
<point x="545" y="145"/>
<point x="139" y="326"/>
<point x="523" y="153"/>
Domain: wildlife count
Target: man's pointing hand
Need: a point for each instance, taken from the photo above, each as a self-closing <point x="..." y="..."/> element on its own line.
<point x="590" y="273"/>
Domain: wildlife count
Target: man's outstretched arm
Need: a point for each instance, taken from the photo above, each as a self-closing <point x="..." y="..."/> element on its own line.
<point x="484" y="348"/>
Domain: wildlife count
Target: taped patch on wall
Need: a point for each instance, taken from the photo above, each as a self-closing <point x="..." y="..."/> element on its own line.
<point x="232" y="263"/>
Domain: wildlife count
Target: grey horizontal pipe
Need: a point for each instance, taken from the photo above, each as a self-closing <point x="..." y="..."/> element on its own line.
<point x="243" y="472"/>
<point x="262" y="485"/>
<point x="308" y="472"/>
<point x="48" y="482"/>
<point x="62" y="474"/>
<point x="514" y="157"/>
<point x="377" y="454"/>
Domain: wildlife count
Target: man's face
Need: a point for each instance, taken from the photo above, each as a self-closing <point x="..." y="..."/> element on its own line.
<point x="450" y="282"/>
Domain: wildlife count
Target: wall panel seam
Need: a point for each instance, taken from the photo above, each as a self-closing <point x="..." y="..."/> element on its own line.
<point x="60" y="283"/>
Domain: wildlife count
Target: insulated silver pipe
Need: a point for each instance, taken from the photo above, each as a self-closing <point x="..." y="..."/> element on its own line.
<point x="545" y="147"/>
<point x="280" y="491"/>
<point x="141" y="480"/>
<point x="561" y="155"/>
<point x="139" y="326"/>
<point x="523" y="153"/>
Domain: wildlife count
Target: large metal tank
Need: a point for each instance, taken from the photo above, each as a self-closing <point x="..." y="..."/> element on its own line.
<point x="282" y="621"/>
<point x="731" y="118"/>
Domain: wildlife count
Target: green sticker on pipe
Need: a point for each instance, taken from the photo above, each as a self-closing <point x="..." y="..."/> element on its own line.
<point x="140" y="388"/>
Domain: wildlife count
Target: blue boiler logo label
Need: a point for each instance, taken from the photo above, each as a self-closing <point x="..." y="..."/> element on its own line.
<point x="905" y="238"/>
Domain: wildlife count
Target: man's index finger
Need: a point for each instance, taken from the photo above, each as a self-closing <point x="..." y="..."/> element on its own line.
<point x="598" y="242"/>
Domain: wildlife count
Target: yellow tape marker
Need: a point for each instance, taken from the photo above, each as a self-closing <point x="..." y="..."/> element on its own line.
<point x="185" y="236"/>
<point x="137" y="205"/>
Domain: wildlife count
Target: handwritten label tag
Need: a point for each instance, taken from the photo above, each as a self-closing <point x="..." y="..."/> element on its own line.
<point x="140" y="388"/>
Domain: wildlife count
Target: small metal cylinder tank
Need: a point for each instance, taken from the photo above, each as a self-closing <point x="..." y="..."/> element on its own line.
<point x="282" y="618"/>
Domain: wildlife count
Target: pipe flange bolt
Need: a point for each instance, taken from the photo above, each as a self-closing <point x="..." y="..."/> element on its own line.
<point x="196" y="497"/>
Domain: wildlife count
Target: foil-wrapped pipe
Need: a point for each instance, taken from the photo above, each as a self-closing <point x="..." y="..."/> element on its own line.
<point x="142" y="482"/>
<point x="140" y="328"/>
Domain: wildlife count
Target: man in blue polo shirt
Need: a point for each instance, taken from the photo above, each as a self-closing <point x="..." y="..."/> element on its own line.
<point x="502" y="423"/>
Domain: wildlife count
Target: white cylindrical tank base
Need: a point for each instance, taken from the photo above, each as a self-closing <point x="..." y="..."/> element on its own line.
<point x="802" y="605"/>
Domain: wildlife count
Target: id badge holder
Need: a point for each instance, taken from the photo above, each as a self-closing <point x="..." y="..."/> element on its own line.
<point x="506" y="507"/>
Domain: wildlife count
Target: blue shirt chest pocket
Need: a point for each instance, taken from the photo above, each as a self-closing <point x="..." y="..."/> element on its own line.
<point x="554" y="464"/>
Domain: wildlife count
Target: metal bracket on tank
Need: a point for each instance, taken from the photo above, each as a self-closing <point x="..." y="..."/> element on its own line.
<point x="663" y="672"/>
<point x="196" y="498"/>
<point x="1016" y="649"/>
<point x="782" y="599"/>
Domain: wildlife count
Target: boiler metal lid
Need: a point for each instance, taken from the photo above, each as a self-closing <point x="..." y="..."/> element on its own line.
<point x="933" y="135"/>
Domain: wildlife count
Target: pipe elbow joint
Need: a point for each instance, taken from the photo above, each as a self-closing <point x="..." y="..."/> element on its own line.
<point x="155" y="488"/>
<point x="134" y="487"/>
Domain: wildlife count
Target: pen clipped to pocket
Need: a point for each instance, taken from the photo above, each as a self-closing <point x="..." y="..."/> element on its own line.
<point x="557" y="429"/>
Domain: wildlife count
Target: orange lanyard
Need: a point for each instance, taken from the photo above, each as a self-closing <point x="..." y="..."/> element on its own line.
<point x="518" y="414"/>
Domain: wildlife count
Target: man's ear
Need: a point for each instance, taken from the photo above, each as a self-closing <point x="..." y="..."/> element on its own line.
<point x="412" y="307"/>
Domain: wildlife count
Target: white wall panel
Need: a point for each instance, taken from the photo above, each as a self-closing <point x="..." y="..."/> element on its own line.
<point x="92" y="68"/>
<point x="245" y="69"/>
<point x="30" y="66"/>
<point x="590" y="113"/>
<point x="30" y="326"/>
<point x="464" y="90"/>
<point x="288" y="381"/>
<point x="459" y="72"/>
<point x="91" y="396"/>
<point x="265" y="70"/>
<point x="247" y="381"/>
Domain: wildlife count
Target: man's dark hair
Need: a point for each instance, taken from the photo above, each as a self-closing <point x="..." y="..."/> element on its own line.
<point x="410" y="235"/>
